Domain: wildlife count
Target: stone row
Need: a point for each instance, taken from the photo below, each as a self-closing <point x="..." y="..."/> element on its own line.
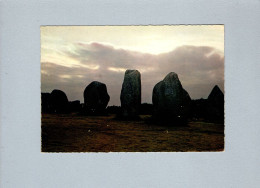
<point x="171" y="102"/>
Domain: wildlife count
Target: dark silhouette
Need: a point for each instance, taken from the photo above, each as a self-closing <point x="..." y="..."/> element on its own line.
<point x="59" y="102"/>
<point x="131" y="94"/>
<point x="46" y="102"/>
<point x="146" y="109"/>
<point x="170" y="101"/>
<point x="96" y="98"/>
<point x="199" y="108"/>
<point x="215" y="107"/>
<point x="114" y="110"/>
<point x="75" y="106"/>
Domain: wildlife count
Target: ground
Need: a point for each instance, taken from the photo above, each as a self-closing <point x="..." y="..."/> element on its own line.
<point x="74" y="133"/>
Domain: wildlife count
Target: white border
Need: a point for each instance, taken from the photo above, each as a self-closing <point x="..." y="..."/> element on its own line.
<point x="23" y="165"/>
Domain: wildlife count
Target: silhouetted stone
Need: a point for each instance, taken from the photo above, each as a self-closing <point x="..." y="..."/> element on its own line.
<point x="199" y="108"/>
<point x="96" y="98"/>
<point x="146" y="109"/>
<point x="114" y="110"/>
<point x="46" y="102"/>
<point x="59" y="102"/>
<point x="75" y="106"/>
<point x="131" y="94"/>
<point x="215" y="109"/>
<point x="171" y="102"/>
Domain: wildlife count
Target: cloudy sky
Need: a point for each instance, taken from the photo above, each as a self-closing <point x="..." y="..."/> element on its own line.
<point x="74" y="56"/>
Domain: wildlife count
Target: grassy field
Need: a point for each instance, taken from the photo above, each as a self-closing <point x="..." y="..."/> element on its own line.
<point x="73" y="133"/>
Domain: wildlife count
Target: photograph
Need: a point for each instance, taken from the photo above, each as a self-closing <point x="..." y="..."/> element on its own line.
<point x="132" y="88"/>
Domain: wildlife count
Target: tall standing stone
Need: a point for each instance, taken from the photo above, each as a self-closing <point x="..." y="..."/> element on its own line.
<point x="96" y="98"/>
<point x="171" y="102"/>
<point x="131" y="94"/>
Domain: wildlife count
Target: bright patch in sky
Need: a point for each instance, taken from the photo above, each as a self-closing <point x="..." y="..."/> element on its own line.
<point x="147" y="39"/>
<point x="73" y="56"/>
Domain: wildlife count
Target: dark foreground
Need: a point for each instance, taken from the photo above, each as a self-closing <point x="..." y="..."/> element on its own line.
<point x="73" y="133"/>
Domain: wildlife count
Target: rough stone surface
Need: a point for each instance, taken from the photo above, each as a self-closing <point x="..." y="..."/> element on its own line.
<point x="131" y="94"/>
<point x="215" y="108"/>
<point x="96" y="97"/>
<point x="59" y="102"/>
<point x="171" y="102"/>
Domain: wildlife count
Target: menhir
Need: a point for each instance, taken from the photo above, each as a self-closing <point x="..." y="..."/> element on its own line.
<point x="170" y="101"/>
<point x="96" y="98"/>
<point x="215" y="107"/>
<point x="131" y="94"/>
<point x="59" y="102"/>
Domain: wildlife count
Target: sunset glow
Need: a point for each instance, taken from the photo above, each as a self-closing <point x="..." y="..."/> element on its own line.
<point x="73" y="56"/>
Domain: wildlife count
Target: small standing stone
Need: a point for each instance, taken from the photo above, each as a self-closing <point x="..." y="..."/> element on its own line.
<point x="96" y="98"/>
<point x="59" y="101"/>
<point x="215" y="108"/>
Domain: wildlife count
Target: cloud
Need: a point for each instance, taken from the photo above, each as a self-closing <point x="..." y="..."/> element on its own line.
<point x="199" y="69"/>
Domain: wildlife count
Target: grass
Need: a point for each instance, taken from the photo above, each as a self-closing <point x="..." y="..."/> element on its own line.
<point x="73" y="133"/>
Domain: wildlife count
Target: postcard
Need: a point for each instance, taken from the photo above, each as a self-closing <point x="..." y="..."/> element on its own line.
<point x="149" y="88"/>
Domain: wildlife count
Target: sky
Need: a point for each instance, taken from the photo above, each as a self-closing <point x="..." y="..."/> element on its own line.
<point x="74" y="56"/>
